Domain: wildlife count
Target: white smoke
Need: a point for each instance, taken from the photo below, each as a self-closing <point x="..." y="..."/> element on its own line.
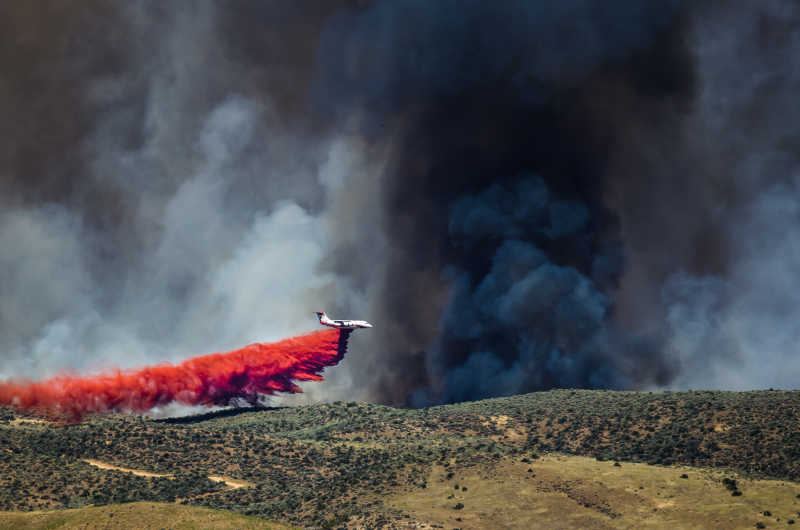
<point x="739" y="330"/>
<point x="225" y="248"/>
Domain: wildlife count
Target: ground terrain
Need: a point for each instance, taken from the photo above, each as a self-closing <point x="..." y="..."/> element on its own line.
<point x="140" y="515"/>
<point x="558" y="459"/>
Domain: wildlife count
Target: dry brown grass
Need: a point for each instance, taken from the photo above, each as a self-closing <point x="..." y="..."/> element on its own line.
<point x="580" y="492"/>
<point x="141" y="515"/>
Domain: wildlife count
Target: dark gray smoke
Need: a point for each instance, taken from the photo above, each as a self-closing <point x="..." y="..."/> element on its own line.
<point x="519" y="195"/>
<point x="503" y="258"/>
<point x="527" y="322"/>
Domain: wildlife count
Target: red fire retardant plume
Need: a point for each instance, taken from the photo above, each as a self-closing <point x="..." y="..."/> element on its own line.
<point x="216" y="379"/>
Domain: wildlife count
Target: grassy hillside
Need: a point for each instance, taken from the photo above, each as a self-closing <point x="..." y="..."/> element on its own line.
<point x="558" y="491"/>
<point x="328" y="464"/>
<point x="143" y="515"/>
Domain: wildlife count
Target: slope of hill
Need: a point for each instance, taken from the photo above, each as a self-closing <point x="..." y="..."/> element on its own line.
<point x="360" y="464"/>
<point x="141" y="515"/>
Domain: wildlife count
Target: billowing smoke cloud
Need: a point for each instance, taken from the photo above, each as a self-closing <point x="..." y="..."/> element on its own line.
<point x="502" y="259"/>
<point x="710" y="243"/>
<point x="519" y="196"/>
<point x="217" y="379"/>
<point x="186" y="208"/>
<point x="527" y="322"/>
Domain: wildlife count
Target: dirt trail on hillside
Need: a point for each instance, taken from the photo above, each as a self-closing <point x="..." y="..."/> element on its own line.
<point x="230" y="482"/>
<point x="24" y="421"/>
<point x="103" y="465"/>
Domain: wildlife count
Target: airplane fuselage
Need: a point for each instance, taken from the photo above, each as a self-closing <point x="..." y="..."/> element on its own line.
<point x="341" y="324"/>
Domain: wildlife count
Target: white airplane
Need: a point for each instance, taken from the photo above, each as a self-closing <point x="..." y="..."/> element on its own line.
<point x="341" y="324"/>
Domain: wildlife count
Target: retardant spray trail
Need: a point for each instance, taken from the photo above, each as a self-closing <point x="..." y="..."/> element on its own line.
<point x="215" y="379"/>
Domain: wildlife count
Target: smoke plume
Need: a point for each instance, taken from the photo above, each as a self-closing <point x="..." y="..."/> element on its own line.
<point x="217" y="379"/>
<point x="518" y="195"/>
